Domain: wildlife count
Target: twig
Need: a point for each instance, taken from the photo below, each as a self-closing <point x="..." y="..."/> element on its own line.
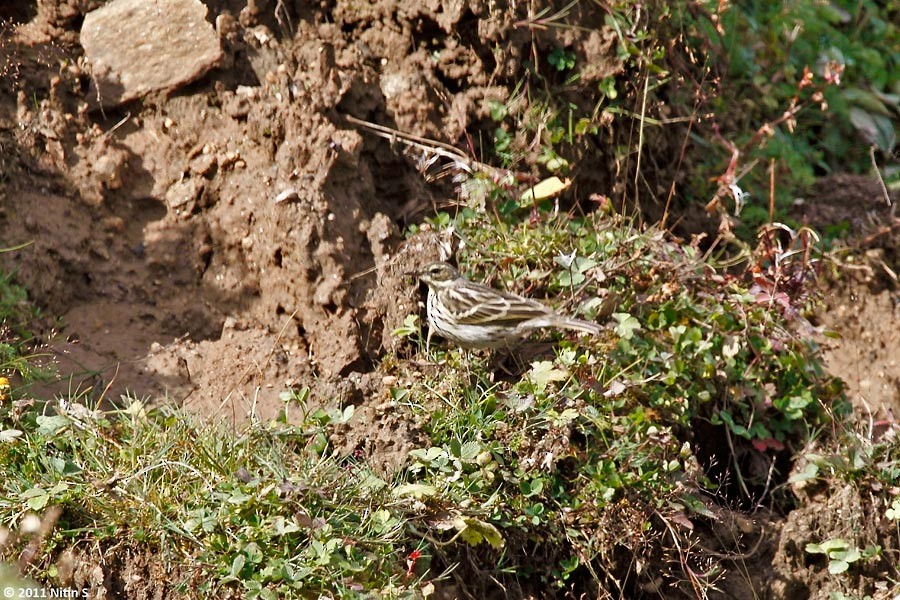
<point x="427" y="145"/>
<point x="732" y="556"/>
<point x="637" y="168"/>
<point x="884" y="190"/>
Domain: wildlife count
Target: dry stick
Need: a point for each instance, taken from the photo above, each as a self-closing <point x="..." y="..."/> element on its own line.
<point x="884" y="190"/>
<point x="117" y="125"/>
<point x="283" y="16"/>
<point x="737" y="467"/>
<point x="439" y="148"/>
<point x="873" y="236"/>
<point x="110" y="383"/>
<point x="539" y="22"/>
<point x="637" y="168"/>
<point x="771" y="191"/>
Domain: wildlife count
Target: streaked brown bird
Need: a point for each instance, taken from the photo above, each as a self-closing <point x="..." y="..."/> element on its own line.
<point x="474" y="315"/>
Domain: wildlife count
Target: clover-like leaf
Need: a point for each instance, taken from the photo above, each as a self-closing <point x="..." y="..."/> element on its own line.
<point x="474" y="531"/>
<point x="627" y="325"/>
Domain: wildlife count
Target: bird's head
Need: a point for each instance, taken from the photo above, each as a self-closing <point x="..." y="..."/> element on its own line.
<point x="438" y="274"/>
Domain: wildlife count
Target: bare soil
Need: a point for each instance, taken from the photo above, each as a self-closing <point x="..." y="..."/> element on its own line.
<point x="222" y="242"/>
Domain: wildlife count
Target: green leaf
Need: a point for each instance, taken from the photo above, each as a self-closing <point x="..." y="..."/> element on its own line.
<point x="416" y="490"/>
<point x="281" y="526"/>
<point x="569" y="279"/>
<point x="836" y="567"/>
<point x="561" y="59"/>
<point x="502" y="140"/>
<point x="428" y="455"/>
<point x="474" y="531"/>
<point x="735" y="427"/>
<point x="498" y="110"/>
<point x="608" y="87"/>
<point x="409" y="328"/>
<point x="893" y="513"/>
<point x="531" y="488"/>
<point x="876" y="129"/>
<point x="866" y="101"/>
<point x="469" y="451"/>
<point x="239" y="497"/>
<point x="543" y="372"/>
<point x="575" y="267"/>
<point x="851" y="555"/>
<point x="566" y="416"/>
<point x="9" y="435"/>
<point x="828" y="546"/>
<point x="237" y="565"/>
<point x="627" y="325"/>
<point x="810" y="471"/>
<point x="268" y="594"/>
<point x="368" y="481"/>
<point x="814" y="549"/>
<point x="382" y="521"/>
<point x="36" y="498"/>
<point x="253" y="552"/>
<point x="51" y="424"/>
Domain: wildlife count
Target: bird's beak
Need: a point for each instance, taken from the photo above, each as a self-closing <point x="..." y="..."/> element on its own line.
<point x="412" y="273"/>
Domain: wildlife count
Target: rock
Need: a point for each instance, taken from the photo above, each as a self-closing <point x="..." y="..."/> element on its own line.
<point x="182" y="196"/>
<point x="135" y="47"/>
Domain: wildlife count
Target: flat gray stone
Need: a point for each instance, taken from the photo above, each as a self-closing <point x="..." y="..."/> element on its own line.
<point x="139" y="46"/>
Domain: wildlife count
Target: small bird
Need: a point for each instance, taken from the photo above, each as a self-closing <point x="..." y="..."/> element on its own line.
<point x="474" y="315"/>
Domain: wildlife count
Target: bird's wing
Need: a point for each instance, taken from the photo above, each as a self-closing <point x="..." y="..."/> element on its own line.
<point x="476" y="304"/>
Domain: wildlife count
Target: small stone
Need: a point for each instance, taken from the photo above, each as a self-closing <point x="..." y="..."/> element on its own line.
<point x="237" y="107"/>
<point x="106" y="170"/>
<point x="113" y="224"/>
<point x="205" y="165"/>
<point x="183" y="195"/>
<point x="227" y="159"/>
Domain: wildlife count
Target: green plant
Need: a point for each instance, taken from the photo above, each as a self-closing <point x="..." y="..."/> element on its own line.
<point x="603" y="422"/>
<point x="18" y="357"/>
<point x="808" y="88"/>
<point x="265" y="510"/>
<point x="893" y="512"/>
<point x="561" y="59"/>
<point x="583" y="453"/>
<point x="840" y="554"/>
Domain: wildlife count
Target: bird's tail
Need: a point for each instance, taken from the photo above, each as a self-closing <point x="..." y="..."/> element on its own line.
<point x="580" y="325"/>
